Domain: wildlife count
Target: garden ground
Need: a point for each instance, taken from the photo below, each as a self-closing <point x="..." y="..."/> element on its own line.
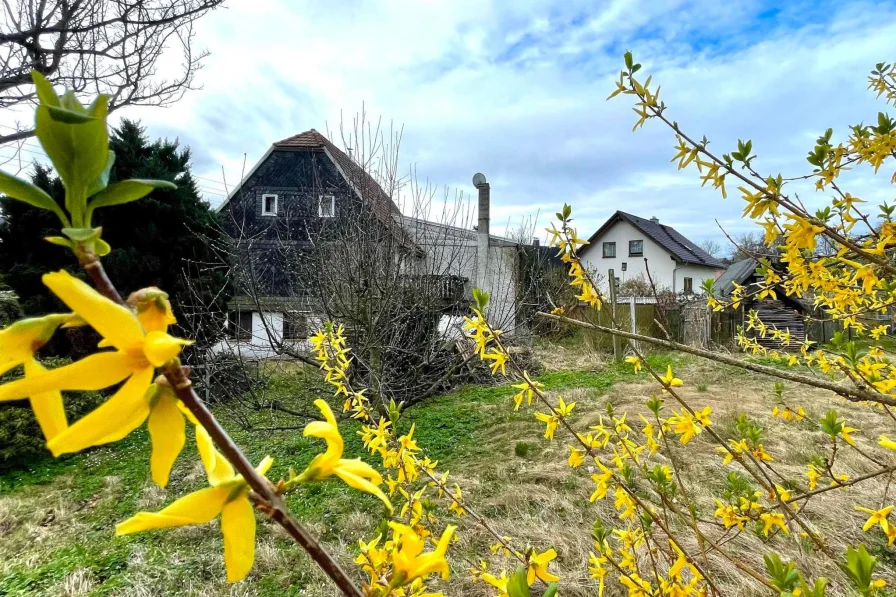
<point x="57" y="520"/>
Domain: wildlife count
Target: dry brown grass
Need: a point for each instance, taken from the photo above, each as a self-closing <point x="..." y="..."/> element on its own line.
<point x="538" y="499"/>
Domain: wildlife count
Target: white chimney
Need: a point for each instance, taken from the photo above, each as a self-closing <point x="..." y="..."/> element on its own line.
<point x="655" y="220"/>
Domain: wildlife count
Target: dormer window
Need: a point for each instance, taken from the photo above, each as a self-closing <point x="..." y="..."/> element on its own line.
<point x="326" y="206"/>
<point x="269" y="205"/>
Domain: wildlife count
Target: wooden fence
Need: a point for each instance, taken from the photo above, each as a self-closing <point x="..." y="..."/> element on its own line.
<point x="689" y="323"/>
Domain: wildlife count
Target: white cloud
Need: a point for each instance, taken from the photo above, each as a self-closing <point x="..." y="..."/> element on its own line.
<point x="516" y="90"/>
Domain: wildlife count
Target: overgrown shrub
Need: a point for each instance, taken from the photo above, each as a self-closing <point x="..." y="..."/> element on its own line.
<point x="21" y="441"/>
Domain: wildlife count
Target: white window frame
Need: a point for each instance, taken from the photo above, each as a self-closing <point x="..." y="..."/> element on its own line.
<point x="320" y="206"/>
<point x="264" y="198"/>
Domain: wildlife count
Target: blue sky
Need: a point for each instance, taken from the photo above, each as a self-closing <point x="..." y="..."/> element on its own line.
<point x="516" y="90"/>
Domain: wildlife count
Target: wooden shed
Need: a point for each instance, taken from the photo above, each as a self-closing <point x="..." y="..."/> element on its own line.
<point x="783" y="312"/>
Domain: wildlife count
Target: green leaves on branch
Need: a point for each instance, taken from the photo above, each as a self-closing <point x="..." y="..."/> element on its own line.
<point x="480" y="297"/>
<point x="859" y="567"/>
<point x="789" y="581"/>
<point x="76" y="139"/>
<point x="26" y="192"/>
<point x="125" y="192"/>
<point x="831" y="424"/>
<point x="630" y="63"/>
<point x="783" y="575"/>
<point x="744" y="149"/>
<point x="822" y="148"/>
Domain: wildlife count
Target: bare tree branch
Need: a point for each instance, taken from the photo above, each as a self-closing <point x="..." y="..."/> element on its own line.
<point x="98" y="46"/>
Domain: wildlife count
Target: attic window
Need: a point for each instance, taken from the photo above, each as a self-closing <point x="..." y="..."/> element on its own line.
<point x="326" y="206"/>
<point x="635" y="248"/>
<point x="269" y="205"/>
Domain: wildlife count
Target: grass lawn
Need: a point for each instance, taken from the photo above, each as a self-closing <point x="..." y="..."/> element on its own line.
<point x="57" y="520"/>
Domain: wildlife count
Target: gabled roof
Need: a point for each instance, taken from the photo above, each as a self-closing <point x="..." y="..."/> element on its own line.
<point x="667" y="237"/>
<point x="739" y="272"/>
<point x="364" y="185"/>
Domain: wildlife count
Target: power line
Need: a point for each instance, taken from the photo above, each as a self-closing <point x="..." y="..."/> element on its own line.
<point x="218" y="182"/>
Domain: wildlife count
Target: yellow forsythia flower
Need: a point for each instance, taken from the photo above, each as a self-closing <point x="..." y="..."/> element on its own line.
<point x="635" y="361"/>
<point x="227" y="496"/>
<point x="408" y="560"/>
<point x="355" y="472"/>
<point x="876" y="517"/>
<point x="538" y="567"/>
<point x="670" y="380"/>
<point x="138" y="353"/>
<point x="116" y="419"/>
<point x="18" y="343"/>
<point x="499" y="583"/>
<point x="845" y="434"/>
<point x="773" y="519"/>
<point x="500" y="359"/>
<point x="576" y="457"/>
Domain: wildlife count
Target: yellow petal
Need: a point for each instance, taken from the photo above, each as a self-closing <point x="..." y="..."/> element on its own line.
<point x="20" y="340"/>
<point x="217" y="468"/>
<point x="325" y="411"/>
<point x="186" y="412"/>
<point x="166" y="430"/>
<point x="358" y="467"/>
<point x="238" y="528"/>
<point x="93" y="372"/>
<point x="886" y="442"/>
<point x="160" y="348"/>
<point x="49" y="410"/>
<point x="329" y="432"/>
<point x="114" y="322"/>
<point x="112" y="420"/>
<point x="356" y="482"/>
<point x="264" y="466"/>
<point x="198" y="507"/>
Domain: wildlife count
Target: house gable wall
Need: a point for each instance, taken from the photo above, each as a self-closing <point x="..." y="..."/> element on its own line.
<point x="297" y="178"/>
<point x="664" y="270"/>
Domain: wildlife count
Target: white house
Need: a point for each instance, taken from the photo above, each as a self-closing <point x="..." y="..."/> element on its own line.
<point x="625" y="242"/>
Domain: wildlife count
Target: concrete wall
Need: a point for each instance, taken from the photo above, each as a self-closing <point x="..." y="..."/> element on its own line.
<point x="665" y="271"/>
<point x="451" y="250"/>
<point x="259" y="346"/>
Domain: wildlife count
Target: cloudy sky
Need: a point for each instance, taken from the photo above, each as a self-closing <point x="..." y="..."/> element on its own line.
<point x="517" y="90"/>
